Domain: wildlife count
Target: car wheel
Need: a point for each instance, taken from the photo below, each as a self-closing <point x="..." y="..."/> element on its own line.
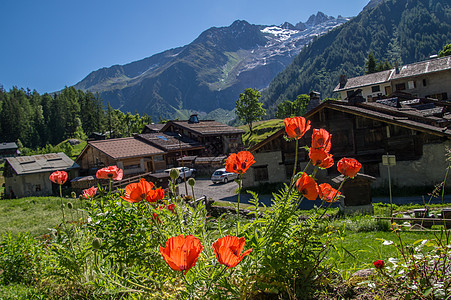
<point x="226" y="180"/>
<point x="179" y="180"/>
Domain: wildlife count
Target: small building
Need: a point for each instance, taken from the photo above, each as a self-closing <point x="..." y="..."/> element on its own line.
<point x="426" y="79"/>
<point x="27" y="176"/>
<point x="174" y="145"/>
<point x="8" y="150"/>
<point x="131" y="155"/>
<point x="216" y="137"/>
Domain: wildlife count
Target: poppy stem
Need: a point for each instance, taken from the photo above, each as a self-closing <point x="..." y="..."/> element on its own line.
<point x="238" y="206"/>
<point x="295" y="162"/>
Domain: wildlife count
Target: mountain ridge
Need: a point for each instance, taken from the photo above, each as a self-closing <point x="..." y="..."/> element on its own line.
<point x="207" y="74"/>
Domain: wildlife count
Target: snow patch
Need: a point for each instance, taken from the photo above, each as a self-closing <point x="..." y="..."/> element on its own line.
<point x="280" y="33"/>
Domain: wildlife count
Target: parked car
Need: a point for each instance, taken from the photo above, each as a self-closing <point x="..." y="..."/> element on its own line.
<point x="188" y="173"/>
<point x="221" y="175"/>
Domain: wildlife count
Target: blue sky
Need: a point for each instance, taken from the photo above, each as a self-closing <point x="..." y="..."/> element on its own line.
<point x="49" y="44"/>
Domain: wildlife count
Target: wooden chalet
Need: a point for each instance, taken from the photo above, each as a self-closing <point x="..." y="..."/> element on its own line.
<point x="8" y="150"/>
<point x="416" y="131"/>
<point x="132" y="155"/>
<point x="216" y="137"/>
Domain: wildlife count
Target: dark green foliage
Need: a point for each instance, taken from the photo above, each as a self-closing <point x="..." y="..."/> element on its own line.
<point x="288" y="109"/>
<point x="39" y="121"/>
<point x="248" y="107"/>
<point x="446" y="51"/>
<point x="405" y="31"/>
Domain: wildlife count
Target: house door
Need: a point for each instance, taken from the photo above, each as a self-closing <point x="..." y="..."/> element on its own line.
<point x="387" y="90"/>
<point x="150" y="166"/>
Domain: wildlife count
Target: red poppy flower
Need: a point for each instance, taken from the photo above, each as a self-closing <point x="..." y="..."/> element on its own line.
<point x="321" y="158"/>
<point x="228" y="249"/>
<point x="135" y="192"/>
<point x="328" y="193"/>
<point x="348" y="167"/>
<point x="307" y="186"/>
<point x="58" y="177"/>
<point x="89" y="193"/>
<point x="321" y="139"/>
<point x="239" y="162"/>
<point x="181" y="253"/>
<point x="171" y="207"/>
<point x="156" y="218"/>
<point x="155" y="195"/>
<point x="111" y="172"/>
<point x="296" y="127"/>
<point x="379" y="264"/>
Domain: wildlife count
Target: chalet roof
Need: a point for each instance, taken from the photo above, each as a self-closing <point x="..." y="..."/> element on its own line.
<point x="406" y="71"/>
<point x="406" y="117"/>
<point x="50" y="162"/>
<point x="8" y="146"/>
<point x="153" y="128"/>
<point x="169" y="141"/>
<point x="125" y="148"/>
<point x="365" y="80"/>
<point x="205" y="127"/>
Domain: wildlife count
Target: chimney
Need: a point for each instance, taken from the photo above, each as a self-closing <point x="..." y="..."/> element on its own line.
<point x="315" y="100"/>
<point x="396" y="67"/>
<point x="343" y="81"/>
<point x="193" y="119"/>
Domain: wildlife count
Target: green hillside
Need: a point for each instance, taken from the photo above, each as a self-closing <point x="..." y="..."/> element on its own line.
<point x="402" y="31"/>
<point x="262" y="130"/>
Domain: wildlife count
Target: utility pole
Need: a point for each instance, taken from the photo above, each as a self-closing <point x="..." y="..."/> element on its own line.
<point x="389" y="160"/>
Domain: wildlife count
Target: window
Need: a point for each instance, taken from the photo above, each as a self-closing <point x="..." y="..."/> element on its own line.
<point x="400" y="86"/>
<point x="261" y="173"/>
<point x="424" y="82"/>
<point x="375" y="89"/>
<point x="38" y="187"/>
<point x="349" y="93"/>
<point x="411" y="84"/>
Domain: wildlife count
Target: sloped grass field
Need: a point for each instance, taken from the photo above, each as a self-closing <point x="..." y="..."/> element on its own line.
<point x="261" y="130"/>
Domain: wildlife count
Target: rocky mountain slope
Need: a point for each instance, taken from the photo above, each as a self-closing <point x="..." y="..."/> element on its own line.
<point x="209" y="73"/>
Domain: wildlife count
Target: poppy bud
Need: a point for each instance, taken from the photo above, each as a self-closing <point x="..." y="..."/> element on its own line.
<point x="70" y="205"/>
<point x="191" y="181"/>
<point x="73" y="195"/>
<point x="174" y="174"/>
<point x="96" y="243"/>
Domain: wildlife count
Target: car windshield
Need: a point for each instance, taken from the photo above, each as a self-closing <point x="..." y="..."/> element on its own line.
<point x="218" y="173"/>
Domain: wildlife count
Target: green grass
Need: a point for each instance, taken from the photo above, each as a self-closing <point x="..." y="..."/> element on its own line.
<point x="34" y="215"/>
<point x="261" y="130"/>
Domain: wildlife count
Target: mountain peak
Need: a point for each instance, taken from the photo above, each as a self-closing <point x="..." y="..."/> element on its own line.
<point x="319" y="18"/>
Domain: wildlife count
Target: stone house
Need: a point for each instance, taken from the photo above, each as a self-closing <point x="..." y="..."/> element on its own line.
<point x="426" y="79"/>
<point x="27" y="176"/>
<point x="416" y="131"/>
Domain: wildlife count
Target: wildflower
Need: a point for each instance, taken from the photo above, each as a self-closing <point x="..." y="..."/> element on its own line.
<point x="136" y="192"/>
<point x="239" y="162"/>
<point x="296" y="127"/>
<point x="181" y="252"/>
<point x="328" y="193"/>
<point x="348" y="167"/>
<point x="307" y="186"/>
<point x="379" y="264"/>
<point x="321" y="158"/>
<point x="228" y="249"/>
<point x="89" y="193"/>
<point x="170" y="207"/>
<point x="321" y="139"/>
<point x="111" y="172"/>
<point x="58" y="177"/>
